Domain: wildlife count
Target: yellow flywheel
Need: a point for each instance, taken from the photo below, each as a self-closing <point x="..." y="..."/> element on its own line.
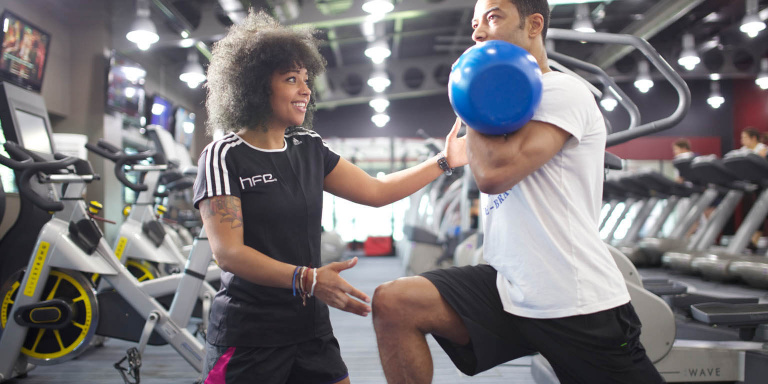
<point x="52" y="346"/>
<point x="142" y="270"/>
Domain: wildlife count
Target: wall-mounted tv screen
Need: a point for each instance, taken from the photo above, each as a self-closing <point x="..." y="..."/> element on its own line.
<point x="125" y="86"/>
<point x="24" y="52"/>
<point x="184" y="126"/>
<point x="161" y="112"/>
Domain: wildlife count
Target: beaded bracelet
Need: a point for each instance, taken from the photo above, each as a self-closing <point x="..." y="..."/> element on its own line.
<point x="293" y="284"/>
<point x="314" y="282"/>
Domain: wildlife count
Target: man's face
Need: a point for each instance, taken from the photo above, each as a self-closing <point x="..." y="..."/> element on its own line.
<point x="498" y="20"/>
<point x="747" y="140"/>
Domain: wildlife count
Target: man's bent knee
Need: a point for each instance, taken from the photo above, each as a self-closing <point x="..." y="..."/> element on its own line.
<point x="414" y="302"/>
<point x="403" y="298"/>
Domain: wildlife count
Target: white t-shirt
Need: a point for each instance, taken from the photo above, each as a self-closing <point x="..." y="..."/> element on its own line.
<point x="542" y="235"/>
<point x="757" y="149"/>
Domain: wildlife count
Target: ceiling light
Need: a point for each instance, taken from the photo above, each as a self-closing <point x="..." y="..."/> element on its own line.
<point x="762" y="77"/>
<point x="368" y="29"/>
<point x="189" y="127"/>
<point x="643" y="82"/>
<point x="583" y="22"/>
<point x="379" y="104"/>
<point x="715" y="98"/>
<point x="142" y="32"/>
<point x="133" y="74"/>
<point x="378" y="51"/>
<point x="379" y="81"/>
<point x="192" y="73"/>
<point x="688" y="57"/>
<point x="378" y="7"/>
<point x="751" y="24"/>
<point x="552" y="3"/>
<point x="380" y="119"/>
<point x="158" y="109"/>
<point x="130" y="92"/>
<point x="184" y="34"/>
<point x="608" y="102"/>
<point x="186" y="43"/>
<point x="712" y="17"/>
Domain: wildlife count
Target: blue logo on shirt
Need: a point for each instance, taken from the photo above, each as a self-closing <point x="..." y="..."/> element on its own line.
<point x="496" y="202"/>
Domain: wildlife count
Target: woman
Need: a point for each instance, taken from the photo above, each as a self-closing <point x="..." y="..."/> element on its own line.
<point x="259" y="190"/>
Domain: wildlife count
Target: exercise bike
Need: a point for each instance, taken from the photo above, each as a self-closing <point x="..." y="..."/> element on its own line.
<point x="143" y="243"/>
<point x="51" y="313"/>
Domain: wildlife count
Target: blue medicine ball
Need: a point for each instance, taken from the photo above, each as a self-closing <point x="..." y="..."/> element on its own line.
<point x="495" y="87"/>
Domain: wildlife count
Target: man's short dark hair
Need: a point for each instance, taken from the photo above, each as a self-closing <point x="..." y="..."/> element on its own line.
<point x="682" y="143"/>
<point x="752" y="132"/>
<point x="528" y="7"/>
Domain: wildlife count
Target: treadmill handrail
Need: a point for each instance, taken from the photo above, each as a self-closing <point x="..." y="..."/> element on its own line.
<point x="608" y="83"/>
<point x="655" y="58"/>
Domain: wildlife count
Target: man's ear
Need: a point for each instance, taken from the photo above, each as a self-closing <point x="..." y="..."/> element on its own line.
<point x="535" y="24"/>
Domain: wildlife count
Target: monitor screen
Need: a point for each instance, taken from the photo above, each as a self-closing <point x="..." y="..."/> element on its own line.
<point x="125" y="86"/>
<point x="24" y="52"/>
<point x="161" y="112"/>
<point x="34" y="133"/>
<point x="6" y="174"/>
<point x="184" y="126"/>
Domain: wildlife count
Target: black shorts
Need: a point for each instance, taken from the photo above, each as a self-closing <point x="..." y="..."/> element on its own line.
<point x="317" y="361"/>
<point x="602" y="347"/>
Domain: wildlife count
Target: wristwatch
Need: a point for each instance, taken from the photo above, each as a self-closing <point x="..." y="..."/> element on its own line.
<point x="442" y="162"/>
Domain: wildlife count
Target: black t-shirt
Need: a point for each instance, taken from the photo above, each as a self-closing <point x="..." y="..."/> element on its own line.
<point x="281" y="197"/>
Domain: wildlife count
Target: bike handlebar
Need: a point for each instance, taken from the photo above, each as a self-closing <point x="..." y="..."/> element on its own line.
<point x="120" y="158"/>
<point x="29" y="164"/>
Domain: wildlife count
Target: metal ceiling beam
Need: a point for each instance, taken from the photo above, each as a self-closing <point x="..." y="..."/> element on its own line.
<point x="312" y="16"/>
<point x="335" y="48"/>
<point x="658" y="17"/>
<point x="397" y="38"/>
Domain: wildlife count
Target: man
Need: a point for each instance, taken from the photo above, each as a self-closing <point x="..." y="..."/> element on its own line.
<point x="750" y="140"/>
<point x="681" y="149"/>
<point x="551" y="286"/>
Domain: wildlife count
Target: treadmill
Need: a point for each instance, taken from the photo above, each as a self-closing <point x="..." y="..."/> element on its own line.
<point x="649" y="251"/>
<point x="718" y="265"/>
<point x="652" y="198"/>
<point x="646" y="251"/>
<point x="711" y="170"/>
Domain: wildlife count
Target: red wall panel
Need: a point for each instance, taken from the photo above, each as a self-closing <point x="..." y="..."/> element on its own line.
<point x="660" y="147"/>
<point x="750" y="108"/>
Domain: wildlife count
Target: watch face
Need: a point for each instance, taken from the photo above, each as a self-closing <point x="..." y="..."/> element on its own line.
<point x="443" y="164"/>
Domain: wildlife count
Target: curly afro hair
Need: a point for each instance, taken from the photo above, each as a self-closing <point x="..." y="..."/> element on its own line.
<point x="241" y="69"/>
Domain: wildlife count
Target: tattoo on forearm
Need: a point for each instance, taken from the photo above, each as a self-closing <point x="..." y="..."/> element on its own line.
<point x="227" y="207"/>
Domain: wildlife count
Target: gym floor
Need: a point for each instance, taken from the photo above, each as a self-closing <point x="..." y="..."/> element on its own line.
<point x="355" y="334"/>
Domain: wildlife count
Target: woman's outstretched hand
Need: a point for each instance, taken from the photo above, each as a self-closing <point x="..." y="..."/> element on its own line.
<point x="455" y="147"/>
<point x="333" y="290"/>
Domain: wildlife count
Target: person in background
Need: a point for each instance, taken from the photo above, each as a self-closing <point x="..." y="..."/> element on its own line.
<point x="750" y="139"/>
<point x="260" y="193"/>
<point x="681" y="149"/>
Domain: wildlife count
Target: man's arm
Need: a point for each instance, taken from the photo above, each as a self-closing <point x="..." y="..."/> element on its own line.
<point x="498" y="163"/>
